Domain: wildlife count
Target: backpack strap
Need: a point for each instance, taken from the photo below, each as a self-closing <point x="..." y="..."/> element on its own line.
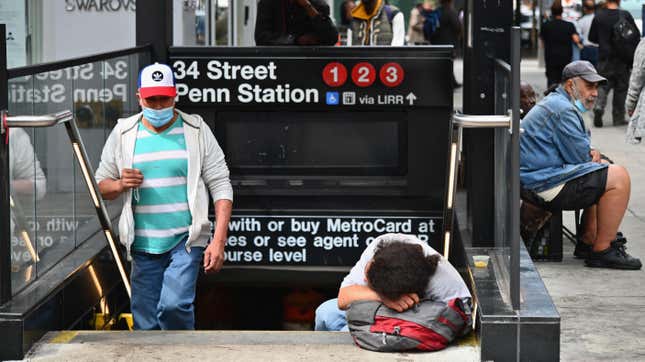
<point x="455" y="317"/>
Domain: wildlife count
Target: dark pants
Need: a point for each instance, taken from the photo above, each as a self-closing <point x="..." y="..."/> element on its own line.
<point x="579" y="193"/>
<point x="554" y="74"/>
<point x="617" y="74"/>
<point x="590" y="54"/>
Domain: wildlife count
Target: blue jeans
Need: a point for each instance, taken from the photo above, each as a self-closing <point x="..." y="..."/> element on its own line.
<point x="163" y="288"/>
<point x="330" y="318"/>
<point x="590" y="54"/>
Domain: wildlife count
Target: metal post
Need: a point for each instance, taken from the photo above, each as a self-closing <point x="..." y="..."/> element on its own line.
<point x="5" y="223"/>
<point x="154" y="26"/>
<point x="489" y="26"/>
<point x="515" y="168"/>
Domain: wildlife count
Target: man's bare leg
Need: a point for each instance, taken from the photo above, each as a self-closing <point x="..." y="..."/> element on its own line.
<point x="589" y="225"/>
<point x="611" y="206"/>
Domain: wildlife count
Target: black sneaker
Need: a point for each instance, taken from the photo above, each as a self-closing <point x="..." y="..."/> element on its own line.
<point x="582" y="250"/>
<point x="614" y="257"/>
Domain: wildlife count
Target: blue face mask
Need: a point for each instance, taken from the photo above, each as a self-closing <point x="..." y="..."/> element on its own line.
<point x="158" y="117"/>
<point x="581" y="107"/>
<point x="576" y="95"/>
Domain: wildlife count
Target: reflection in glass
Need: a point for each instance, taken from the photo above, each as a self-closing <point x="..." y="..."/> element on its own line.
<point x="28" y="183"/>
<point x="54" y="214"/>
<point x="221" y="14"/>
<point x="51" y="209"/>
<point x="202" y="23"/>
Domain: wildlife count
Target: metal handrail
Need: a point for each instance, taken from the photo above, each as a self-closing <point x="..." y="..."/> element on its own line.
<point x="47" y="120"/>
<point x="478" y="121"/>
<point x="502" y="64"/>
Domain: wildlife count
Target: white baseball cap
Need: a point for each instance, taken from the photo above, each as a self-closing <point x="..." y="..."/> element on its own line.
<point x="156" y="80"/>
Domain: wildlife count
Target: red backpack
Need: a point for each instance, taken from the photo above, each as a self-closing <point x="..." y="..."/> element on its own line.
<point x="428" y="326"/>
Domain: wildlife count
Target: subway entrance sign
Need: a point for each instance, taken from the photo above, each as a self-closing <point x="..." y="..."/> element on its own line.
<point x="328" y="148"/>
<point x="345" y="78"/>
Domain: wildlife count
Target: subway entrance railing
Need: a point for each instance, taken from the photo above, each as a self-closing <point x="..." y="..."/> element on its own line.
<point x="56" y="269"/>
<point x="514" y="309"/>
<point x="20" y="224"/>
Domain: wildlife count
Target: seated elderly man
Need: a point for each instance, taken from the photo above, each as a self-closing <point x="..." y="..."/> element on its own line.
<point x="560" y="171"/>
<point x="397" y="270"/>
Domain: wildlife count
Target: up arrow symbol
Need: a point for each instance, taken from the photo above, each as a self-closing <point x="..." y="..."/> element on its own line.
<point x="411" y="98"/>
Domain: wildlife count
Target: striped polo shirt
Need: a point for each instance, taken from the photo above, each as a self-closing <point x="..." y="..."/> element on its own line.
<point x="161" y="214"/>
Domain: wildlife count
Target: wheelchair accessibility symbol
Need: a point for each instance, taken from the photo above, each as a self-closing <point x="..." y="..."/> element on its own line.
<point x="332" y="98"/>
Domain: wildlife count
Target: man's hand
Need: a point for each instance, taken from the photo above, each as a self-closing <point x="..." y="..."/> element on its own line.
<point x="214" y="256"/>
<point x="630" y="112"/>
<point x="595" y="155"/>
<point x="405" y="302"/>
<point x="130" y="178"/>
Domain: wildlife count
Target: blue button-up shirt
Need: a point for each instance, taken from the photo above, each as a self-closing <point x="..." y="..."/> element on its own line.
<point x="555" y="145"/>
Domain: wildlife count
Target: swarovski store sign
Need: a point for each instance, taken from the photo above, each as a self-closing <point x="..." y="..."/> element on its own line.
<point x="100" y="5"/>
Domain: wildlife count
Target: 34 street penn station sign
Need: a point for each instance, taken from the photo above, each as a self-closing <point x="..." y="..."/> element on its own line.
<point x="319" y="80"/>
<point x="100" y="5"/>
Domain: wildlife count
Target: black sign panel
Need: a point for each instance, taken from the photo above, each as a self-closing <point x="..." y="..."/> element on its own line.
<point x="308" y="240"/>
<point x="295" y="78"/>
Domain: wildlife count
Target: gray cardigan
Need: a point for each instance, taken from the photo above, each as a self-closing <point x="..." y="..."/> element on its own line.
<point x="636" y="97"/>
<point x="206" y="169"/>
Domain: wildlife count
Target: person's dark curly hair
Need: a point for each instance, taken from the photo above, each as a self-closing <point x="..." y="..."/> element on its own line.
<point x="399" y="268"/>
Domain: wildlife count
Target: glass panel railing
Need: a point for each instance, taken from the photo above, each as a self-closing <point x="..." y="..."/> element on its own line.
<point x="505" y="121"/>
<point x="52" y="212"/>
<point x="506" y="173"/>
<point x="25" y="174"/>
<point x="90" y="99"/>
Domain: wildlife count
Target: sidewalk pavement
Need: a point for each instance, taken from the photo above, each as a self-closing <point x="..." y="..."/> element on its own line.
<point x="261" y="346"/>
<point x="601" y="309"/>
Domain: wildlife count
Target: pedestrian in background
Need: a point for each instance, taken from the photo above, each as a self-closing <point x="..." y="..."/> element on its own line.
<point x="635" y="102"/>
<point x="418" y="16"/>
<point x="449" y="30"/>
<point x="557" y="35"/>
<point x="589" y="51"/>
<point x="346" y="7"/>
<point x="611" y="65"/>
<point x="294" y="22"/>
<point x="528" y="98"/>
<point x="374" y="22"/>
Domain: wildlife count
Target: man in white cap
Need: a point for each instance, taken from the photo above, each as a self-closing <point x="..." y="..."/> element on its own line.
<point x="560" y="171"/>
<point x="165" y="162"/>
